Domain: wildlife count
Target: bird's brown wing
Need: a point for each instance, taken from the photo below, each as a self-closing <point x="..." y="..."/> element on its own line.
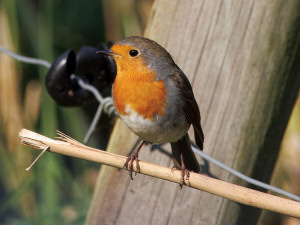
<point x="190" y="108"/>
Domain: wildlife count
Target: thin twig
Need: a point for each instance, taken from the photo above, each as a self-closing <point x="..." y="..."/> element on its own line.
<point x="230" y="191"/>
<point x="37" y="158"/>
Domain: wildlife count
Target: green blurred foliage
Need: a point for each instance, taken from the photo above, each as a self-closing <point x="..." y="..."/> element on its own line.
<point x="58" y="189"/>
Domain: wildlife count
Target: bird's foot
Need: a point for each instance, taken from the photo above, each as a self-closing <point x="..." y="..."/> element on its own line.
<point x="129" y="163"/>
<point x="184" y="172"/>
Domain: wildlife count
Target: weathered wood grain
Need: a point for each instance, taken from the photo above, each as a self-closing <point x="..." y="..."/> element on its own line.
<point x="242" y="58"/>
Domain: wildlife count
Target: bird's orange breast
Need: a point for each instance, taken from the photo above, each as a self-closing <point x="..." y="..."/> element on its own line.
<point x="135" y="86"/>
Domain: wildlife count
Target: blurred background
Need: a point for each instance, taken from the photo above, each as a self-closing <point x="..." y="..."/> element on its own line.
<point x="58" y="189"/>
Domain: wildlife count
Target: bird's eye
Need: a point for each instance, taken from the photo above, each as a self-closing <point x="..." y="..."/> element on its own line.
<point x="133" y="53"/>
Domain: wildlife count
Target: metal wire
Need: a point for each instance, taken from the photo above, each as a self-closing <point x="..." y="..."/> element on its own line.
<point x="244" y="177"/>
<point x="25" y="59"/>
<point x="106" y="105"/>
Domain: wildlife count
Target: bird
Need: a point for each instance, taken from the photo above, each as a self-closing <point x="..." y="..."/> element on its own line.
<point x="154" y="98"/>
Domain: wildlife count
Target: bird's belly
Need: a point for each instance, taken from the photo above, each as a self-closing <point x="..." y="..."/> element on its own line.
<point x="158" y="130"/>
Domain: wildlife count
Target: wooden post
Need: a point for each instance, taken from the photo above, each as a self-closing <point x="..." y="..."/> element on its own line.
<point x="243" y="60"/>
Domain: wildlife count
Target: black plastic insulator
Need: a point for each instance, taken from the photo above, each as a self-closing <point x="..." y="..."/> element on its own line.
<point x="95" y="69"/>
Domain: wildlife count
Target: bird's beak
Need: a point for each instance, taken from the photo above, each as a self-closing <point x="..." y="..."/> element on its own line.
<point x="108" y="53"/>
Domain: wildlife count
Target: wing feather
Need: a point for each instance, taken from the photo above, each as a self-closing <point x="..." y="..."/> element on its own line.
<point x="190" y="108"/>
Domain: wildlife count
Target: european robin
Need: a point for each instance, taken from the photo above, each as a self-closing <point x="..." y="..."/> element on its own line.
<point x="155" y="100"/>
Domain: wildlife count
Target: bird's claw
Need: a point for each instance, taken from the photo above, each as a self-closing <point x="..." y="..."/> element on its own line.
<point x="129" y="164"/>
<point x="184" y="172"/>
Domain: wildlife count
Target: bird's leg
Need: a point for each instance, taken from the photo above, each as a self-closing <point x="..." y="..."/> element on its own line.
<point x="183" y="170"/>
<point x="130" y="159"/>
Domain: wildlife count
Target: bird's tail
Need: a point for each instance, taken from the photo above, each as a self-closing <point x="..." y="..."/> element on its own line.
<point x="183" y="146"/>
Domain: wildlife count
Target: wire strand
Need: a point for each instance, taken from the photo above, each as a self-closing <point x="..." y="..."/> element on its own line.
<point x="244" y="177"/>
<point x="106" y="104"/>
<point x="93" y="124"/>
<point x="25" y="59"/>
